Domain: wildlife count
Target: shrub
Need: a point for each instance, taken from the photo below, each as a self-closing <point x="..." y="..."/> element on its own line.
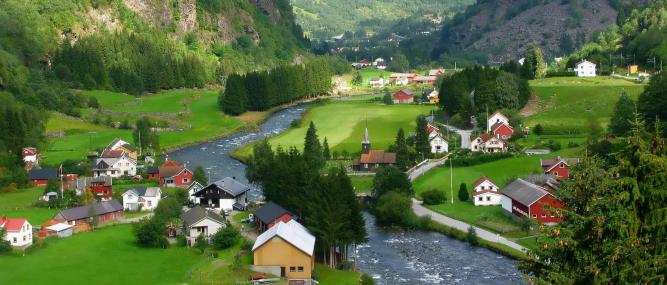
<point x="463" y="192"/>
<point x="471" y="236"/>
<point x="553" y="145"/>
<point x="387" y="99"/>
<point x="150" y="233"/>
<point x="538" y="130"/>
<point x="478" y="158"/>
<point x="225" y="237"/>
<point x="433" y="197"/>
<point x="201" y="243"/>
<point x="560" y="74"/>
<point x="394" y="209"/>
<point x="572" y="145"/>
<point x="366" y="280"/>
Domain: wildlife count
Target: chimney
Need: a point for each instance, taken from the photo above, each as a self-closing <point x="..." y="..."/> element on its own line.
<point x="234" y="177"/>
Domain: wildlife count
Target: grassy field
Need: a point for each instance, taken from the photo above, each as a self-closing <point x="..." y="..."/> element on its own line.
<point x="105" y="256"/>
<point x="362" y="183"/>
<point x="20" y="205"/>
<point x="501" y="171"/>
<point x="328" y="276"/>
<point x="569" y="101"/>
<point x="343" y="123"/>
<point x="193" y="113"/>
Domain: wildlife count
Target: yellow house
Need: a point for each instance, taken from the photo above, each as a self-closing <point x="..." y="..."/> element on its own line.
<point x="434" y="97"/>
<point x="633" y="69"/>
<point x="118" y="144"/>
<point x="285" y="249"/>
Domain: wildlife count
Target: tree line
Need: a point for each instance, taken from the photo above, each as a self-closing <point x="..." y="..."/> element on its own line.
<point x="130" y="62"/>
<point x="324" y="199"/>
<point x="261" y="90"/>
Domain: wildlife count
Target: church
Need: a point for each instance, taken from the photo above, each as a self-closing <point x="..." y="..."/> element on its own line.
<point x="371" y="159"/>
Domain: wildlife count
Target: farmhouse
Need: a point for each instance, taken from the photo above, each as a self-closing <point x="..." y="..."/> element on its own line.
<point x="404" y="97"/>
<point x="485" y="192"/>
<point x="118" y="144"/>
<point x="225" y="194"/>
<point x="114" y="163"/>
<point x="18" y="232"/>
<point x="488" y="143"/>
<point x="81" y="217"/>
<point x="286" y="249"/>
<point x="379" y="63"/>
<point x="434" y="97"/>
<point x="524" y="199"/>
<point x="436" y="72"/>
<point x="494" y="119"/>
<point x="371" y="159"/>
<point x="401" y="78"/>
<point x="31" y="155"/>
<point x="100" y="186"/>
<point x="199" y="221"/>
<point x="142" y="198"/>
<point x="585" y="68"/>
<point x="558" y="167"/>
<point x="502" y="130"/>
<point x="377" y="82"/>
<point x="171" y="174"/>
<point x="438" y="143"/>
<point x="192" y="189"/>
<point x="422" y="79"/>
<point x="42" y="176"/>
<point x="270" y="214"/>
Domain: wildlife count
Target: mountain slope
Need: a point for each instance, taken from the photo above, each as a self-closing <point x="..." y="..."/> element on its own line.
<point x="323" y="19"/>
<point x="496" y="31"/>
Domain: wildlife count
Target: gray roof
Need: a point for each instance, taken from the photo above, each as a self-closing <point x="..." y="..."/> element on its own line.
<point x="231" y="186"/>
<point x="524" y="192"/>
<point x="270" y="212"/>
<point x="145" y="192"/>
<point x="43" y="174"/>
<point x="99" y="208"/>
<point x="81" y="183"/>
<point x="198" y="213"/>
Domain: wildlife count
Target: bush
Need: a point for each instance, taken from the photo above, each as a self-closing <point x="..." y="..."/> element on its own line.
<point x="225" y="237"/>
<point x="168" y="209"/>
<point x="538" y="130"/>
<point x="151" y="233"/>
<point x="553" y="145"/>
<point x="433" y="197"/>
<point x="395" y="210"/>
<point x="463" y="192"/>
<point x="5" y="246"/>
<point x="366" y="280"/>
<point x="471" y="236"/>
<point x="478" y="158"/>
<point x="572" y="145"/>
<point x="560" y="74"/>
<point x="387" y="99"/>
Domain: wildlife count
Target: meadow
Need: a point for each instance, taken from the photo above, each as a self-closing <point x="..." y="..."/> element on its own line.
<point x="19" y="204"/>
<point x="566" y="103"/>
<point x="192" y="115"/>
<point x="343" y="124"/>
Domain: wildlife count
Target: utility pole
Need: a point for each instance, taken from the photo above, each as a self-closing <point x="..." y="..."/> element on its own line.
<point x="139" y="132"/>
<point x="451" y="181"/>
<point x="62" y="192"/>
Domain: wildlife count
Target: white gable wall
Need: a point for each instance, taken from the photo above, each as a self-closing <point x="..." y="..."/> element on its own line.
<point x="495" y="118"/>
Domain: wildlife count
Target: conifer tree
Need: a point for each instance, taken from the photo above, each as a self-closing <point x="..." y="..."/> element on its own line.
<point x="422" y="145"/>
<point x="463" y="192"/>
<point x="200" y="175"/>
<point x="326" y="153"/>
<point x="312" y="149"/>
<point x="233" y="100"/>
<point x="402" y="151"/>
<point x="621" y="120"/>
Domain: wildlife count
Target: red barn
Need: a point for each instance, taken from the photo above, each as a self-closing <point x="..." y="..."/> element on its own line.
<point x="269" y="215"/>
<point x="81" y="217"/>
<point x="525" y="199"/>
<point x="153" y="173"/>
<point x="42" y="176"/>
<point x="502" y="130"/>
<point x="174" y="174"/>
<point x="404" y="97"/>
<point x="102" y="190"/>
<point x="559" y="167"/>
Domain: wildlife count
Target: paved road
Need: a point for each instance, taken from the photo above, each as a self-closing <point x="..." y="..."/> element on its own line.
<point x="481" y="233"/>
<point x="425" y="167"/>
<point x="465" y="135"/>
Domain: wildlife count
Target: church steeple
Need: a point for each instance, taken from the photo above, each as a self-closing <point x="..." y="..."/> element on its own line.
<point x="366" y="143"/>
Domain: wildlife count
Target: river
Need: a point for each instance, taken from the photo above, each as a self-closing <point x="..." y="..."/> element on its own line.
<point x="389" y="257"/>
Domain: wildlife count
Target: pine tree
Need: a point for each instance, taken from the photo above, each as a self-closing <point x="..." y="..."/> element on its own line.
<point x="463" y="192"/>
<point x="312" y="149"/>
<point x="622" y="117"/>
<point x="402" y="151"/>
<point x="533" y="64"/>
<point x="422" y="145"/>
<point x="326" y="153"/>
<point x="200" y="175"/>
<point x="233" y="99"/>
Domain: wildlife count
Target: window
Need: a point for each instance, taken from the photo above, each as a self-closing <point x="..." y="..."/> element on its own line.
<point x="292" y="269"/>
<point x="544" y="215"/>
<point x="185" y="180"/>
<point x="14" y="240"/>
<point x="479" y="199"/>
<point x="24" y="238"/>
<point x="488" y="198"/>
<point x="561" y="165"/>
<point x="300" y="269"/>
<point x="534" y="216"/>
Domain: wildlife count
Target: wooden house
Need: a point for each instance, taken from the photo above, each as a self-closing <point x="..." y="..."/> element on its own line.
<point x="286" y="249"/>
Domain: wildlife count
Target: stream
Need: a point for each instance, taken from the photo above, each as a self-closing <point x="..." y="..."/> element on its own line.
<point x="389" y="257"/>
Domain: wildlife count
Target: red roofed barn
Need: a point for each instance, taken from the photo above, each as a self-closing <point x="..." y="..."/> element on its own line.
<point x="524" y="199"/>
<point x="559" y="167"/>
<point x="404" y="97"/>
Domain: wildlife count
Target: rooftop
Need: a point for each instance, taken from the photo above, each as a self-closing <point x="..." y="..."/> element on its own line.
<point x="292" y="232"/>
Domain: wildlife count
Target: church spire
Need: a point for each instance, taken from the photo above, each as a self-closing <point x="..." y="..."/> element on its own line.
<point x="366" y="137"/>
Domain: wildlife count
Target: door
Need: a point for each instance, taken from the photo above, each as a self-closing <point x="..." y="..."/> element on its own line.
<point x="282" y="271"/>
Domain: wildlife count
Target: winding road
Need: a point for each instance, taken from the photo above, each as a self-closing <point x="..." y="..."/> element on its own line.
<point x="465" y="135"/>
<point x="461" y="226"/>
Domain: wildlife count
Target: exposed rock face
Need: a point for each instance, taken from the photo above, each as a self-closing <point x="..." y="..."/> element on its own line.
<point x="187" y="10"/>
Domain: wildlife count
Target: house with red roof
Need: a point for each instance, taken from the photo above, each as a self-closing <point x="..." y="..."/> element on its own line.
<point x="18" y="231"/>
<point x="485" y="192"/>
<point x="31" y="157"/>
<point x="522" y="199"/>
<point x="494" y="119"/>
<point x="502" y="130"/>
<point x="489" y="144"/>
<point x="558" y="167"/>
<point x="404" y="97"/>
<point x="425" y="79"/>
<point x="174" y="174"/>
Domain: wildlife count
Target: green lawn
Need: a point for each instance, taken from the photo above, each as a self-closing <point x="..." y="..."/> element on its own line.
<point x="201" y="122"/>
<point x="343" y="124"/>
<point x="328" y="276"/>
<point x="501" y="171"/>
<point x="568" y="101"/>
<point x="19" y="205"/>
<point x="105" y="256"/>
<point x="362" y="183"/>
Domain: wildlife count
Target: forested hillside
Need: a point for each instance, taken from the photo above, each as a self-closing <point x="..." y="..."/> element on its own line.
<point x="49" y="48"/>
<point x="497" y="31"/>
<point x="326" y="18"/>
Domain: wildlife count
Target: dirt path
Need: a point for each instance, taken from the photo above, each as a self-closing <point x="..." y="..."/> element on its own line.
<point x="531" y="107"/>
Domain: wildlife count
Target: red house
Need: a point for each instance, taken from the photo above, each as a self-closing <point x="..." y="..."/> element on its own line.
<point x="170" y="174"/>
<point x="404" y="97"/>
<point x="42" y="176"/>
<point x="153" y="173"/>
<point x="559" y="167"/>
<point x="524" y="199"/>
<point x="81" y="217"/>
<point x="269" y="215"/>
<point x="502" y="130"/>
<point x="101" y="189"/>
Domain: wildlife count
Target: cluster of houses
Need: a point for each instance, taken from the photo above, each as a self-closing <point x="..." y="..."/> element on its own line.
<point x="527" y="199"/>
<point x="498" y="132"/>
<point x="378" y="63"/>
<point x="405" y="79"/>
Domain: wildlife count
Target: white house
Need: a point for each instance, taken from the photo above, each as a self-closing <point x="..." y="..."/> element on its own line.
<point x="585" y="68"/>
<point x="30" y="155"/>
<point x="225" y="194"/>
<point x="485" y="192"/>
<point x="495" y="118"/>
<point x="199" y="221"/>
<point x="438" y="143"/>
<point x="18" y="231"/>
<point x="192" y="189"/>
<point x="142" y="198"/>
<point x="378" y="82"/>
<point x="489" y="144"/>
<point x="114" y="163"/>
<point x="379" y="63"/>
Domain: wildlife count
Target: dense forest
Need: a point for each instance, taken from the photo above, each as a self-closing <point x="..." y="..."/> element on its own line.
<point x="258" y="91"/>
<point x="640" y="39"/>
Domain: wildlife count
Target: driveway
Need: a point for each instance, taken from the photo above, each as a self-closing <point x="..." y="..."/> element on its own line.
<point x="465" y="135"/>
<point x="447" y="221"/>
